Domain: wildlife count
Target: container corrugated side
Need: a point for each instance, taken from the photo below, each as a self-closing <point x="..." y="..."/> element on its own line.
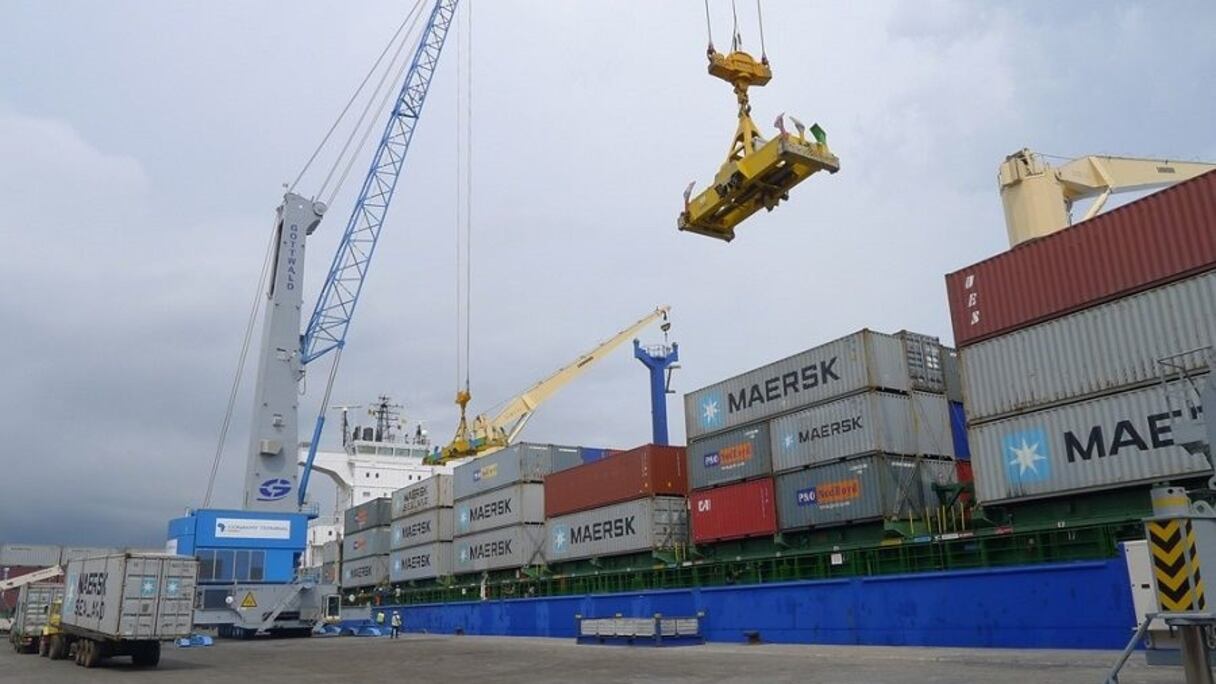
<point x="857" y="490"/>
<point x="507" y="547"/>
<point x="871" y="422"/>
<point x="130" y="596"/>
<point x="522" y="462"/>
<point x="746" y="509"/>
<point x="421" y="562"/>
<point x="74" y="552"/>
<point x="437" y="524"/>
<point x="365" y="572"/>
<point x="1098" y="350"/>
<point x="1166" y="236"/>
<point x="865" y="359"/>
<point x="41" y="556"/>
<point x="373" y="542"/>
<point x="34" y="607"/>
<point x="518" y="504"/>
<point x="433" y="492"/>
<point x="738" y="455"/>
<point x="648" y="470"/>
<point x="1113" y="441"/>
<point x="331" y="572"/>
<point x="331" y="551"/>
<point x="658" y="522"/>
<point x="369" y="514"/>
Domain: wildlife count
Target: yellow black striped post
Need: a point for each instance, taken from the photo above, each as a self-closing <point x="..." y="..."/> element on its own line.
<point x="1176" y="565"/>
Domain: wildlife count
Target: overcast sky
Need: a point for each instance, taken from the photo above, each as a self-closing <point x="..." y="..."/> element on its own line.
<point x="143" y="147"/>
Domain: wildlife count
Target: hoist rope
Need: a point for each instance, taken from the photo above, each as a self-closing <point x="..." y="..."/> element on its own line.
<point x="468" y="199"/>
<point x="709" y="32"/>
<point x="464" y="197"/>
<point x="760" y="16"/>
<point x="736" y="40"/>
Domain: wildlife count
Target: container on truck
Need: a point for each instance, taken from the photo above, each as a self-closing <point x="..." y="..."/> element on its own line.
<point x="33" y="610"/>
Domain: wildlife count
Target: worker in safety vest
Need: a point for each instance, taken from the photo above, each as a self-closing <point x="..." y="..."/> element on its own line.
<point x="380" y="618"/>
<point x="396" y="624"/>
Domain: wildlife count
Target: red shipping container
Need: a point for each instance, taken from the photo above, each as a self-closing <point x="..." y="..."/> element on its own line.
<point x="735" y="511"/>
<point x="648" y="470"/>
<point x="1164" y="237"/>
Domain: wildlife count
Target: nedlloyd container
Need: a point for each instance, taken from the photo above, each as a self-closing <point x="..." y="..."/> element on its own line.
<point x="435" y="525"/>
<point x="864" y="360"/>
<point x="741" y="454"/>
<point x="433" y="492"/>
<point x="871" y="422"/>
<point x="374" y="513"/>
<point x="517" y="546"/>
<point x="514" y="505"/>
<point x="373" y="542"/>
<point x="522" y="462"/>
<point x="648" y="470"/>
<point x="1112" y="441"/>
<point x="746" y="509"/>
<point x="371" y="571"/>
<point x="132" y="596"/>
<point x="420" y="562"/>
<point x="857" y="490"/>
<point x="1098" y="350"/>
<point x="650" y="524"/>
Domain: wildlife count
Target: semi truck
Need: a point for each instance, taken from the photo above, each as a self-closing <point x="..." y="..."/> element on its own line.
<point x="33" y="608"/>
<point x="122" y="605"/>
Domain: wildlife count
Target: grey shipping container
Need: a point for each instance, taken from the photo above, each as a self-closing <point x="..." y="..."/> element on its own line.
<point x="1113" y="441"/>
<point x="331" y="552"/>
<point x="373" y="542"/>
<point x="39" y="556"/>
<point x="433" y="492"/>
<point x="521" y="503"/>
<point x="870" y="422"/>
<point x="737" y="455"/>
<point x="866" y="359"/>
<point x="1099" y="350"/>
<point x="331" y="572"/>
<point x="426" y="527"/>
<point x="522" y="462"/>
<point x="952" y="374"/>
<point x="74" y="552"/>
<point x="365" y="572"/>
<point x="421" y="562"/>
<point x="659" y="522"/>
<point x="860" y="489"/>
<point x="130" y="596"/>
<point x="374" y="513"/>
<point x="565" y="458"/>
<point x="507" y="547"/>
<point x="34" y="607"/>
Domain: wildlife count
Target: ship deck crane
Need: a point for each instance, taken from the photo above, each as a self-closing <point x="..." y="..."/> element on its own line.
<point x="757" y="174"/>
<point x="486" y="434"/>
<point x="1038" y="197"/>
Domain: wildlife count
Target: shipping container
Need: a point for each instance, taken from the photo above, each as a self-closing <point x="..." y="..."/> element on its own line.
<point x="1095" y="351"/>
<point x="373" y="542"/>
<point x="130" y="597"/>
<point x="871" y="422"/>
<point x="864" y="360"/>
<point x="1113" y="441"/>
<point x="522" y="462"/>
<point x="421" y="562"/>
<point x="74" y="552"/>
<point x="33" y="609"/>
<point x="648" y="470"/>
<point x="433" y="492"/>
<point x="40" y="556"/>
<point x="435" y="525"/>
<point x="738" y="455"/>
<point x="1166" y="236"/>
<point x="952" y="374"/>
<point x="858" y="490"/>
<point x="374" y="513"/>
<point x="371" y="571"/>
<point x="331" y="552"/>
<point x="507" y="547"/>
<point x="565" y="458"/>
<point x="514" y="505"/>
<point x="958" y="431"/>
<point x="331" y="572"/>
<point x="652" y="523"/>
<point x="934" y="471"/>
<point x="746" y="509"/>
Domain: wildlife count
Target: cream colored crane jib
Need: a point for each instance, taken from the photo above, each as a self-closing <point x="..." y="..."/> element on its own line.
<point x="42" y="575"/>
<point x="1038" y="197"/>
<point x="491" y="433"/>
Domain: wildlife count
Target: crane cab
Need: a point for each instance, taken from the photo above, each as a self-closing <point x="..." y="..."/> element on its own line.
<point x="758" y="173"/>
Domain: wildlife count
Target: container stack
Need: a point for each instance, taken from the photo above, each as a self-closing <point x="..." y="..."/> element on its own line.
<point x="423" y="524"/>
<point x="331" y="562"/>
<point x="630" y="502"/>
<point x="365" y="544"/>
<point x="850" y="431"/>
<point x="1060" y="340"/>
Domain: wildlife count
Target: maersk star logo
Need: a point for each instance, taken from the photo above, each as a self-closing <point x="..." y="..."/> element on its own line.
<point x="464" y="518"/>
<point x="711" y="411"/>
<point x="1027" y="456"/>
<point x="561" y="537"/>
<point x="789" y="441"/>
<point x="464" y="554"/>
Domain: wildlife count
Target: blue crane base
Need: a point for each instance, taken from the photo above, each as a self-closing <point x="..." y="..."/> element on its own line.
<point x="657" y="360"/>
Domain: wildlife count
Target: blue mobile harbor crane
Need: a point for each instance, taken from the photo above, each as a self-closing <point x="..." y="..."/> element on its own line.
<point x="249" y="581"/>
<point x="660" y="360"/>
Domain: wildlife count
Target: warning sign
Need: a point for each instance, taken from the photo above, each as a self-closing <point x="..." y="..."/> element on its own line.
<point x="1176" y="565"/>
<point x="249" y="601"/>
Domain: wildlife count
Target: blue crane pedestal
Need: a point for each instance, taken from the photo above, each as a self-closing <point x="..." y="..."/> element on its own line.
<point x="657" y="359"/>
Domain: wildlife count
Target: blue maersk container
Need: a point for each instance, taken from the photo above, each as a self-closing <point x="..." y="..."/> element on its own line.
<point x="241" y="546"/>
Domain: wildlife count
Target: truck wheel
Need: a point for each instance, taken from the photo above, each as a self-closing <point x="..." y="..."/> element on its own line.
<point x="57" y="648"/>
<point x="92" y="653"/>
<point x="79" y="655"/>
<point x="147" y="655"/>
<point x="44" y="647"/>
